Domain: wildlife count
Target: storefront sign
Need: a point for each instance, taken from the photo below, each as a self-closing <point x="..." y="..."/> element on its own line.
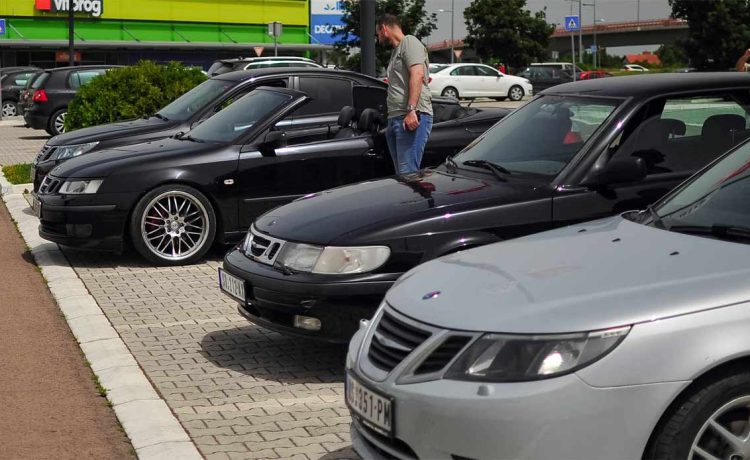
<point x="326" y="18"/>
<point x="92" y="7"/>
<point x="64" y="56"/>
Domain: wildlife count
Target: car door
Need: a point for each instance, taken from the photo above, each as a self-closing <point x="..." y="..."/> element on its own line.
<point x="462" y="79"/>
<point x="673" y="137"/>
<point x="490" y="81"/>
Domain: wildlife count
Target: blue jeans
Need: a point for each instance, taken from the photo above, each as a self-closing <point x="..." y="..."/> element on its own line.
<point x="407" y="147"/>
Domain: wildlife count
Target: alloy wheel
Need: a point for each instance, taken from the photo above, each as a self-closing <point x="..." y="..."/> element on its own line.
<point x="9" y="109"/>
<point x="516" y="93"/>
<point x="174" y="225"/>
<point x="450" y="92"/>
<point x="60" y="122"/>
<point x="726" y="434"/>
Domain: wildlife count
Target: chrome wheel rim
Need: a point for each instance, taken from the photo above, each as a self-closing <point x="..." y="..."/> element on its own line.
<point x="450" y="92"/>
<point x="174" y="225"/>
<point x="516" y="94"/>
<point x="9" y="109"/>
<point x="726" y="434"/>
<point x="60" y="122"/>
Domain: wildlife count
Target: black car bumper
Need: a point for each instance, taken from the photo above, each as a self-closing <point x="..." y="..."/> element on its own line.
<point x="274" y="299"/>
<point x="35" y="121"/>
<point x="85" y="221"/>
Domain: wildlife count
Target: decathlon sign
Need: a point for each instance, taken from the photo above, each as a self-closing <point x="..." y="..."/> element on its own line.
<point x="92" y="7"/>
<point x="325" y="20"/>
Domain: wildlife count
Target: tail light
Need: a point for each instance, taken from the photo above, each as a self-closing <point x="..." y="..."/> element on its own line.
<point x="40" y="95"/>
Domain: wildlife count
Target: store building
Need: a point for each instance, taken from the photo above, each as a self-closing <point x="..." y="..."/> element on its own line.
<point x="124" y="31"/>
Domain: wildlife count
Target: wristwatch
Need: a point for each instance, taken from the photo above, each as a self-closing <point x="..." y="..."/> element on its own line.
<point x="411" y="108"/>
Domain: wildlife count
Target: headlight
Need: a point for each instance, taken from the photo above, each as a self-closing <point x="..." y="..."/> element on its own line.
<point x="519" y="358"/>
<point x="332" y="260"/>
<point x="70" y="151"/>
<point x="78" y="187"/>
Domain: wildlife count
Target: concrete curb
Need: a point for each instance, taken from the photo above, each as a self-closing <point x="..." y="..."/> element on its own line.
<point x="153" y="429"/>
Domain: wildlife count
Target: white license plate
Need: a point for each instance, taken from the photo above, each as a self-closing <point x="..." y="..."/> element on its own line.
<point x="232" y="285"/>
<point x="373" y="409"/>
<point x="36" y="206"/>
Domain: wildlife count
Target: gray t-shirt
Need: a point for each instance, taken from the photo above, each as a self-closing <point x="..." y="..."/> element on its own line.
<point x="408" y="53"/>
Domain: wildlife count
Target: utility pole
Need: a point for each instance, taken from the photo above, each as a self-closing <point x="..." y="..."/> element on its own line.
<point x="453" y="37"/>
<point x="580" y="34"/>
<point x="367" y="37"/>
<point x="71" y="35"/>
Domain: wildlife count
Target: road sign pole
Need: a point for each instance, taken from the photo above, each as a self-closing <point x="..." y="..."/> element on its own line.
<point x="2" y="34"/>
<point x="573" y="52"/>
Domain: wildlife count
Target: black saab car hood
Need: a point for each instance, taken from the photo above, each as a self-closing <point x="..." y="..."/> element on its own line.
<point x="113" y="131"/>
<point x="370" y="211"/>
<point x="149" y="154"/>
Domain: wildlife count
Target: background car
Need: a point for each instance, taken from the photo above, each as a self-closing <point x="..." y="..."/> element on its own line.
<point x="477" y="80"/>
<point x="545" y="76"/>
<point x="592" y="74"/>
<point x="26" y="93"/>
<point x="53" y="90"/>
<point x="173" y="198"/>
<point x="634" y="324"/>
<point x="12" y="81"/>
<point x="576" y="152"/>
<point x="634" y="68"/>
<point x="202" y="102"/>
<point x="231" y="65"/>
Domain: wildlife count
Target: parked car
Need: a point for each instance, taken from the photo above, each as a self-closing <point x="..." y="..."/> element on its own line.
<point x="12" y="81"/>
<point x="26" y="93"/>
<point x="578" y="151"/>
<point x="634" y="68"/>
<point x="231" y="65"/>
<point x="543" y="77"/>
<point x="477" y="80"/>
<point x="198" y="104"/>
<point x="174" y="197"/>
<point x="52" y="92"/>
<point x="635" y="325"/>
<point x="569" y="67"/>
<point x="592" y="74"/>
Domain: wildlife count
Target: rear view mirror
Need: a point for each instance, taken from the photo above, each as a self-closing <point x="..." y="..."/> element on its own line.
<point x="617" y="171"/>
<point x="273" y="140"/>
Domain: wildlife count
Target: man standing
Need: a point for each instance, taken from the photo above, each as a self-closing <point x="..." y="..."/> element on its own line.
<point x="742" y="65"/>
<point x="409" y="101"/>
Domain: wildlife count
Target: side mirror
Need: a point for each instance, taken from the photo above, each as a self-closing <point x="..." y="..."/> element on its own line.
<point x="274" y="140"/>
<point x="617" y="171"/>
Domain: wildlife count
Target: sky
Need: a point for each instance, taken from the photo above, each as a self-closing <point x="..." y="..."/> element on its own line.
<point x="608" y="10"/>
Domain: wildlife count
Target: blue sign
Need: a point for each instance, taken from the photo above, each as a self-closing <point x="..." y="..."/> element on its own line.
<point x="323" y="26"/>
<point x="2" y="26"/>
<point x="572" y="23"/>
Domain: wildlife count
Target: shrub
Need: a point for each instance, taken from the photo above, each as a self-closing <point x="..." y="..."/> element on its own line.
<point x="130" y="92"/>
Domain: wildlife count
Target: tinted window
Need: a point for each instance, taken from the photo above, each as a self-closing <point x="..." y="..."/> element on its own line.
<point x="484" y="71"/>
<point x="463" y="71"/>
<point x="83" y="77"/>
<point x="194" y="100"/>
<point x="40" y="81"/>
<point x="328" y="95"/>
<point x="22" y="78"/>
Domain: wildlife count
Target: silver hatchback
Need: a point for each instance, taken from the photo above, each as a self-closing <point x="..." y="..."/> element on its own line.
<point x="622" y="338"/>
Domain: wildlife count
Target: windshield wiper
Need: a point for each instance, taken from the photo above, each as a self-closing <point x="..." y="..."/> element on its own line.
<point x="451" y="162"/>
<point x="160" y="116"/>
<point x="189" y="138"/>
<point x="719" y="231"/>
<point x="499" y="171"/>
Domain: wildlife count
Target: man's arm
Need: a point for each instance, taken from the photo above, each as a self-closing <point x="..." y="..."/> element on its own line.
<point x="740" y="66"/>
<point x="416" y="79"/>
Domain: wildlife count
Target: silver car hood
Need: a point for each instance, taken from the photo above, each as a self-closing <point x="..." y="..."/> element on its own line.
<point x="597" y="275"/>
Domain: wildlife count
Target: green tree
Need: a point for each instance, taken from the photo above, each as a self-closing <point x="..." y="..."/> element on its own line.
<point x="130" y="92"/>
<point x="505" y="30"/>
<point x="414" y="21"/>
<point x="718" y="31"/>
<point x="672" y="55"/>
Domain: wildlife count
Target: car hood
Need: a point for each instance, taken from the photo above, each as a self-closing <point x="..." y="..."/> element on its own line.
<point x="598" y="275"/>
<point x="354" y="214"/>
<point x="102" y="163"/>
<point x="112" y="131"/>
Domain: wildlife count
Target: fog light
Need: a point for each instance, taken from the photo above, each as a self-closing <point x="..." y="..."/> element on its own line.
<point x="307" y="322"/>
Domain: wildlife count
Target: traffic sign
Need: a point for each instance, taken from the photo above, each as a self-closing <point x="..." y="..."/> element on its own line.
<point x="275" y="29"/>
<point x="2" y="26"/>
<point x="572" y="23"/>
<point x="258" y="50"/>
<point x="593" y="48"/>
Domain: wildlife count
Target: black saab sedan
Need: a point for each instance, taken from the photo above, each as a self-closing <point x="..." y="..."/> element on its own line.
<point x="174" y="197"/>
<point x="576" y="152"/>
<point x="202" y="102"/>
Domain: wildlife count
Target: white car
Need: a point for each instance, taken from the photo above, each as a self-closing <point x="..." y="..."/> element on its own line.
<point x="634" y="68"/>
<point x="477" y="80"/>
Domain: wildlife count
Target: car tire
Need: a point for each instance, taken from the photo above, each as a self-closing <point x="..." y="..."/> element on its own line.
<point x="450" y="92"/>
<point x="10" y="109"/>
<point x="515" y="93"/>
<point x="173" y="225"/>
<point x="56" y="124"/>
<point x="724" y="401"/>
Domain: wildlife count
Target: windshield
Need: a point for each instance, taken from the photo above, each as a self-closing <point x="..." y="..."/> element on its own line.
<point x="542" y="136"/>
<point x="715" y="199"/>
<point x="236" y="119"/>
<point x="40" y="80"/>
<point x="194" y="100"/>
<point x="435" y="68"/>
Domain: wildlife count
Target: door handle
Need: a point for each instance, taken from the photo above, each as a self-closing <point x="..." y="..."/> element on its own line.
<point x="372" y="153"/>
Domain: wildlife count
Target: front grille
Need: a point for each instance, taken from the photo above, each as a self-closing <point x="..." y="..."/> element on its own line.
<point x="263" y="248"/>
<point x="443" y="354"/>
<point x="50" y="185"/>
<point x="392" y="341"/>
<point x="259" y="245"/>
<point x="45" y="153"/>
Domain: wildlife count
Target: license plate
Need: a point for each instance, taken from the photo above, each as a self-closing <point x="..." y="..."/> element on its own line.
<point x="373" y="409"/>
<point x="36" y="206"/>
<point x="232" y="285"/>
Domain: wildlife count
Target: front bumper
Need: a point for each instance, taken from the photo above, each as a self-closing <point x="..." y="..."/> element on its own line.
<point x="273" y="298"/>
<point x="559" y="418"/>
<point x="85" y="221"/>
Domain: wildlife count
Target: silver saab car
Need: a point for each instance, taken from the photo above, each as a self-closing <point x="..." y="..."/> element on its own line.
<point x="622" y="338"/>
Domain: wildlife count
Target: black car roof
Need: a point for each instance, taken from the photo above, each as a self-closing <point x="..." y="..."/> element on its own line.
<point x="241" y="75"/>
<point x="651" y="85"/>
<point x="81" y="67"/>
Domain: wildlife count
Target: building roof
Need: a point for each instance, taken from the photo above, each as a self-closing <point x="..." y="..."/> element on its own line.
<point x="647" y="57"/>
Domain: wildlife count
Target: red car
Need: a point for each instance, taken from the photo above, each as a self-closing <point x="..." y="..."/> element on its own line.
<point x="591" y="74"/>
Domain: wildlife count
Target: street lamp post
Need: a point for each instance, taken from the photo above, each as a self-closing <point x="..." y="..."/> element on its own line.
<point x="443" y="10"/>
